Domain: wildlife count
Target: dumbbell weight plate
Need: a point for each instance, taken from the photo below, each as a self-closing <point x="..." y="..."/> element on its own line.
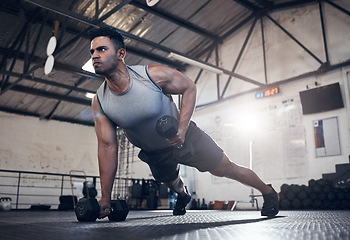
<point x="87" y="210"/>
<point x="167" y="126"/>
<point x="119" y="212"/>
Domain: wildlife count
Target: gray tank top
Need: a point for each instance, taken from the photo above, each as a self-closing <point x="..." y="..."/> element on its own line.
<point x="137" y="109"/>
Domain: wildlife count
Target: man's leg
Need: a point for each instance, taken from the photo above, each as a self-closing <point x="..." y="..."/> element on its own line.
<point x="228" y="169"/>
<point x="177" y="186"/>
<point x="244" y="175"/>
<point x="183" y="197"/>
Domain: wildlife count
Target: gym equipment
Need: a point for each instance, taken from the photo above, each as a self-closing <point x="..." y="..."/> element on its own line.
<point x="89" y="190"/>
<point x="167" y="127"/>
<point x="87" y="208"/>
<point x="204" y="206"/>
<point x="67" y="202"/>
<point x="119" y="212"/>
<point x="5" y="204"/>
<point x="302" y="195"/>
<point x="152" y="197"/>
<point x="319" y="194"/>
<point x="306" y="203"/>
<point x="284" y="188"/>
<point x="290" y="195"/>
<point x="296" y="203"/>
<point x="285" y="204"/>
<point x="194" y="204"/>
<point x="136" y="189"/>
<point x="312" y="182"/>
<point x="163" y="191"/>
<point x="40" y="207"/>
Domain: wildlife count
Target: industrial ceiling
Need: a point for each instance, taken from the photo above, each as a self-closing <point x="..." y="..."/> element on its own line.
<point x="192" y="29"/>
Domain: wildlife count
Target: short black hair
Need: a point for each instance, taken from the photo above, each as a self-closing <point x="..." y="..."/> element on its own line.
<point x="110" y="32"/>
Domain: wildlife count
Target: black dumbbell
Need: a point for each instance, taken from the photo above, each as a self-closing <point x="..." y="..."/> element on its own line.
<point x="167" y="127"/>
<point x="119" y="211"/>
<point x="87" y="208"/>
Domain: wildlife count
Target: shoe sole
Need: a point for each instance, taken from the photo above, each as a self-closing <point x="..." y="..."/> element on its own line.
<point x="272" y="214"/>
<point x="182" y="213"/>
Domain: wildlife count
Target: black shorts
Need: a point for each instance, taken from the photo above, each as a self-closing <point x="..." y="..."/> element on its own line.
<point x="164" y="164"/>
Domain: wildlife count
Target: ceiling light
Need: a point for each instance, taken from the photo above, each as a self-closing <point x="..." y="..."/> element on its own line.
<point x="90" y="95"/>
<point x="88" y="66"/>
<point x="195" y="63"/>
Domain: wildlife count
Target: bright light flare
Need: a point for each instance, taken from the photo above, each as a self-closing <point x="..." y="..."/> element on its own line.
<point x="90" y="95"/>
<point x="88" y="66"/>
<point x="248" y="122"/>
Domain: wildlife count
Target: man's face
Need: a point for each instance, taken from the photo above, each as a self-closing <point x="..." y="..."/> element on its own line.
<point x="104" y="55"/>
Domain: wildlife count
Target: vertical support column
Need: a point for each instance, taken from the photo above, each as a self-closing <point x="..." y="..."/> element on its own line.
<point x="323" y="32"/>
<point x="62" y="182"/>
<point x="251" y="166"/>
<point x="263" y="47"/>
<point x="18" y="186"/>
<point x="96" y="9"/>
<point x="217" y="75"/>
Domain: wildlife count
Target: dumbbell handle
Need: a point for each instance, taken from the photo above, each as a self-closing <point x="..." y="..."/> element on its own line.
<point x="165" y="120"/>
<point x="167" y="127"/>
<point x="171" y="132"/>
<point x="110" y="209"/>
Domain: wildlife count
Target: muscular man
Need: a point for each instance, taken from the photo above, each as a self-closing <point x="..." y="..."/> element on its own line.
<point x="134" y="98"/>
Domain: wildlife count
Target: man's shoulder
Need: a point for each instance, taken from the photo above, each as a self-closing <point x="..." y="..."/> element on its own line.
<point x="140" y="71"/>
<point x="137" y="67"/>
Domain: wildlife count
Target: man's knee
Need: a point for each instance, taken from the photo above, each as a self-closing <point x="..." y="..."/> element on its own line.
<point x="224" y="168"/>
<point x="176" y="185"/>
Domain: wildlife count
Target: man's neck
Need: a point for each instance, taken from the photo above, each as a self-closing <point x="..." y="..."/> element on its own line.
<point x="119" y="80"/>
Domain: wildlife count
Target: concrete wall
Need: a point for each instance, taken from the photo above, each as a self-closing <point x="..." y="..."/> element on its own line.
<point x="30" y="144"/>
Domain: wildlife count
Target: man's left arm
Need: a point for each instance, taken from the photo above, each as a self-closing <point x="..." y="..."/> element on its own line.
<point x="174" y="82"/>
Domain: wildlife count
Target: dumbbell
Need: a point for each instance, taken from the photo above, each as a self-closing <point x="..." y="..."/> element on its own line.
<point x="167" y="127"/>
<point x="87" y="208"/>
<point x="5" y="204"/>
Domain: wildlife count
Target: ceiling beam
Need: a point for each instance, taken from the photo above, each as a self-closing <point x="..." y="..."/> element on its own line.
<point x="51" y="95"/>
<point x="239" y="56"/>
<point x="47" y="82"/>
<point x="58" y="65"/>
<point x="34" y="114"/>
<point x="93" y="23"/>
<point x="129" y="35"/>
<point x="176" y="20"/>
<point x="155" y="57"/>
<point x="290" y="4"/>
<point x="247" y="4"/>
<point x="338" y="7"/>
<point x="238" y="26"/>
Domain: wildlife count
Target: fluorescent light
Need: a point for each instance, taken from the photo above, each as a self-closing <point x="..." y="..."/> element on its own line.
<point x="88" y="66"/>
<point x="90" y="95"/>
<point x="195" y="63"/>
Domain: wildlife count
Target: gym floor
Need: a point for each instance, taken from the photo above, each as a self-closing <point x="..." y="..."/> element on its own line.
<point x="161" y="224"/>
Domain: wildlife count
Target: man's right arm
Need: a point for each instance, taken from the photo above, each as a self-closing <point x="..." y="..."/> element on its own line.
<point x="107" y="153"/>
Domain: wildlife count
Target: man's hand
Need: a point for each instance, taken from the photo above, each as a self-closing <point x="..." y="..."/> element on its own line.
<point x="178" y="140"/>
<point x="105" y="208"/>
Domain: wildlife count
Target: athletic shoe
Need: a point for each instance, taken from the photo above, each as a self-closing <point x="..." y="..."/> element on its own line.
<point x="181" y="203"/>
<point x="270" y="206"/>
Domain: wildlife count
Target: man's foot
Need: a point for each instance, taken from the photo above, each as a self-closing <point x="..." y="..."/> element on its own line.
<point x="181" y="203"/>
<point x="270" y="206"/>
